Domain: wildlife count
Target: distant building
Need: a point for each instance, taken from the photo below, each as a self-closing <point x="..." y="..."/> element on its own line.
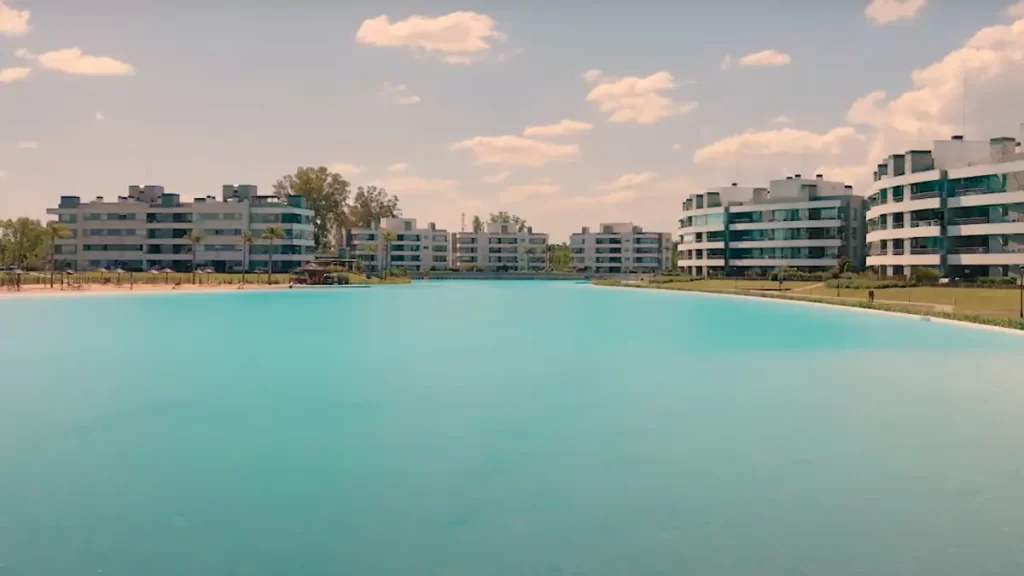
<point x="802" y="223"/>
<point x="500" y="247"/>
<point x="958" y="209"/>
<point x="411" y="248"/>
<point x="148" y="228"/>
<point x="620" y="248"/>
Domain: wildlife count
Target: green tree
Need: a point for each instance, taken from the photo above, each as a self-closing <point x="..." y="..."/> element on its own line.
<point x="506" y="218"/>
<point x="387" y="237"/>
<point x="54" y="232"/>
<point x="559" y="257"/>
<point x="194" y="237"/>
<point x="370" y="204"/>
<point x="23" y="243"/>
<point x="478" y="225"/>
<point x="327" y="195"/>
<point x="247" y="240"/>
<point x="271" y="233"/>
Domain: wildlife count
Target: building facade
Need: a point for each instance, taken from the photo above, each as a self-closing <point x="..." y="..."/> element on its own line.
<point x="500" y="247"/>
<point x="401" y="244"/>
<point x="619" y="248"/>
<point x="958" y="209"/>
<point x="801" y="223"/>
<point x="149" y="229"/>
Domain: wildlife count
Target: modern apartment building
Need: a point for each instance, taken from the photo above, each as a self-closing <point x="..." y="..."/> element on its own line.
<point x="148" y="229"/>
<point x="401" y="244"/>
<point x="618" y="248"/>
<point x="958" y="208"/>
<point x="500" y="248"/>
<point x="807" y="224"/>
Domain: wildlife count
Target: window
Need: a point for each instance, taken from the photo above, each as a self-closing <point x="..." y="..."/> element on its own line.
<point x="67" y="218"/>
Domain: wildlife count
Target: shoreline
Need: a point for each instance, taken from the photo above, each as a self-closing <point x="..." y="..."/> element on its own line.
<point x="114" y="289"/>
<point x="800" y="300"/>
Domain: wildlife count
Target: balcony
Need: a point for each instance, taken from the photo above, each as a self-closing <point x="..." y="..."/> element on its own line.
<point x="897" y="226"/>
<point x="970" y="220"/>
<point x="968" y="250"/>
<point x="924" y="195"/>
<point x="897" y="251"/>
<point x="924" y="223"/>
<point x="921" y="251"/>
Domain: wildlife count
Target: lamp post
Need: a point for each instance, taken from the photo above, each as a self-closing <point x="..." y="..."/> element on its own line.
<point x="1020" y="283"/>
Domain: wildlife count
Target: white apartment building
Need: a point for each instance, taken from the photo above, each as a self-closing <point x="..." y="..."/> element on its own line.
<point x="807" y="224"/>
<point x="617" y="248"/>
<point x="148" y="229"/>
<point x="500" y="247"/>
<point x="400" y="243"/>
<point x="958" y="208"/>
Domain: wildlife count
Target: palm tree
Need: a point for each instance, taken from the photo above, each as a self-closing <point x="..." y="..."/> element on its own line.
<point x="387" y="237"/>
<point x="370" y="249"/>
<point x="247" y="240"/>
<point x="55" y="230"/>
<point x="271" y="233"/>
<point x="527" y="252"/>
<point x="195" y="238"/>
<point x="842" y="267"/>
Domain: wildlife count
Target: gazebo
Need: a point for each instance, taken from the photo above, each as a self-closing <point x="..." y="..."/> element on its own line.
<point x="316" y="275"/>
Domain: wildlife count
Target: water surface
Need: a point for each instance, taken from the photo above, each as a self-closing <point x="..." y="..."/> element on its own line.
<point x="503" y="428"/>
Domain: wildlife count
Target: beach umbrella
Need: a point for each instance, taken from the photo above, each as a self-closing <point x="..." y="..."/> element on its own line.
<point x="167" y="275"/>
<point x="101" y="271"/>
<point x="119" y="272"/>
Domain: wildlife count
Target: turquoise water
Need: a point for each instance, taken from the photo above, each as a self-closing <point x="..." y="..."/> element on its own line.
<point x="502" y="428"/>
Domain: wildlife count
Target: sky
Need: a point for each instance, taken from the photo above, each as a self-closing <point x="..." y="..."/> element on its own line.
<point x="567" y="113"/>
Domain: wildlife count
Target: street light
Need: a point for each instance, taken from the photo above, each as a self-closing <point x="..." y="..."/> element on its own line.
<point x="1020" y="272"/>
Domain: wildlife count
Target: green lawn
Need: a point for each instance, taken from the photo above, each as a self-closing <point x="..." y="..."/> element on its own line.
<point x="937" y="300"/>
<point x="30" y="278"/>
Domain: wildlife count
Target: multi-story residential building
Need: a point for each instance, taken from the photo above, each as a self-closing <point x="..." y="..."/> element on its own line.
<point x="401" y="244"/>
<point x="958" y="208"/>
<point x="618" y="248"/>
<point x="149" y="228"/>
<point x="794" y="223"/>
<point x="500" y="247"/>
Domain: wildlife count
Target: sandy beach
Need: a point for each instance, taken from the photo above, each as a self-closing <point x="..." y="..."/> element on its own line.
<point x="109" y="288"/>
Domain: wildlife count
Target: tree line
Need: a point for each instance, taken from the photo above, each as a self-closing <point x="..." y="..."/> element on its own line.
<point x="335" y="207"/>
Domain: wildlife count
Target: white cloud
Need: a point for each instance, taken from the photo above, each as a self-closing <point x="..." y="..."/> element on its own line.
<point x="992" y="62"/>
<point x="726" y="62"/>
<point x="495" y="178"/>
<point x="100" y="116"/>
<point x="400" y="94"/>
<point x="1016" y="11"/>
<point x="28" y="145"/>
<point x="888" y="11"/>
<point x="782" y="119"/>
<point x="528" y="191"/>
<point x="345" y="169"/>
<point x="458" y="36"/>
<point x="517" y="151"/>
<point x="677" y="147"/>
<point x="14" y="22"/>
<point x="629" y="181"/>
<point x="640" y="100"/>
<point x="8" y="75"/>
<point x="398" y="168"/>
<point x="73" y="61"/>
<point x="561" y="128"/>
<point x="768" y="142"/>
<point x="592" y="75"/>
<point x="770" y="57"/>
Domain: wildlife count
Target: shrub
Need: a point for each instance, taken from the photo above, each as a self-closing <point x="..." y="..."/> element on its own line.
<point x="925" y="275"/>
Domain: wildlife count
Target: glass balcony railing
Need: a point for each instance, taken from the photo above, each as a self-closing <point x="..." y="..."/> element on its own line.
<point x="971" y="220"/>
<point x="924" y="223"/>
<point x="922" y="251"/>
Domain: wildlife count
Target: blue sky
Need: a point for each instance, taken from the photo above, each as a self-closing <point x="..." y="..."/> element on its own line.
<point x="197" y="94"/>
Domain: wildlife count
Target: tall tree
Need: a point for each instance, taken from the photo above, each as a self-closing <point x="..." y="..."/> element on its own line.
<point x="326" y="193"/>
<point x="559" y="257"/>
<point x="195" y="238"/>
<point x="387" y="237"/>
<point x="478" y="225"/>
<point x="271" y="233"/>
<point x="370" y="204"/>
<point x="247" y="240"/>
<point x="54" y="232"/>
<point x="506" y="218"/>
